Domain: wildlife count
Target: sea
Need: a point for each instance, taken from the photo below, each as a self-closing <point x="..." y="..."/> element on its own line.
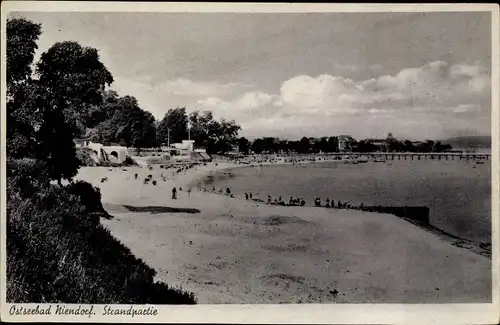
<point x="457" y="192"/>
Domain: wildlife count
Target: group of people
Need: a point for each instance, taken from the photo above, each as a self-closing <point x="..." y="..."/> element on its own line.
<point x="298" y="201"/>
<point x="176" y="170"/>
<point x="331" y="204"/>
<point x="219" y="190"/>
<point x="279" y="201"/>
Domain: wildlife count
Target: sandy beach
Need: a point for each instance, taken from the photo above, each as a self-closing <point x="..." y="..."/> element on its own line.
<point x="228" y="250"/>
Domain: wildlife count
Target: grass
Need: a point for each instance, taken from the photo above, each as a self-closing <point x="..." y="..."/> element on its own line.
<point x="57" y="250"/>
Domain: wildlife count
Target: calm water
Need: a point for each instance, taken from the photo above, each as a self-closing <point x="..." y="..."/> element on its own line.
<point x="458" y="193"/>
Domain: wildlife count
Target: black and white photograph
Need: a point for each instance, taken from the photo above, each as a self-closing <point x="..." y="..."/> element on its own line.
<point x="227" y="158"/>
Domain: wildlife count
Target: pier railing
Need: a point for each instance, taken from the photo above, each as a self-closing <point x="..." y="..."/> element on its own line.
<point x="418" y="155"/>
<point x="398" y="155"/>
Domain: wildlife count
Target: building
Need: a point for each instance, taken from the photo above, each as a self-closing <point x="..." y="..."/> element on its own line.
<point x="115" y="154"/>
<point x="390" y="138"/>
<point x="380" y="145"/>
<point x="235" y="151"/>
<point x="346" y="143"/>
<point x="383" y="145"/>
<point x="185" y="151"/>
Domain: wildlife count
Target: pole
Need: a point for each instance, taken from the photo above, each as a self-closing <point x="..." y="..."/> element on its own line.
<point x="156" y="134"/>
<point x="168" y="138"/>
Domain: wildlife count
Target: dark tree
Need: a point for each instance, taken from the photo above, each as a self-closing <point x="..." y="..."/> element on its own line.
<point x="76" y="77"/>
<point x="22" y="36"/>
<point x="128" y="126"/>
<point x="321" y="145"/>
<point x="366" y="146"/>
<point x="333" y="144"/>
<point x="71" y="78"/>
<point x="214" y="136"/>
<point x="22" y="92"/>
<point x="23" y="120"/>
<point x="175" y="120"/>
<point x="408" y="146"/>
<point x="304" y="145"/>
<point x="55" y="145"/>
<point x="226" y="136"/>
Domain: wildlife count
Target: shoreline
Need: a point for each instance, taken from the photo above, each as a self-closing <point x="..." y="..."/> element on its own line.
<point x="474" y="246"/>
<point x="229" y="250"/>
<point x="192" y="178"/>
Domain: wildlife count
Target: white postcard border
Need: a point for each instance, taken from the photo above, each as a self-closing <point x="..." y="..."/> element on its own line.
<point x="301" y="313"/>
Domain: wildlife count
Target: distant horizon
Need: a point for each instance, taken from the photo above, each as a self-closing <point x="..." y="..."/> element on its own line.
<point x="411" y="139"/>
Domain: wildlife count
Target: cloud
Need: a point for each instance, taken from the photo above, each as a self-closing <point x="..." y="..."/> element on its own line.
<point x="249" y="106"/>
<point x="431" y="100"/>
<point x="435" y="95"/>
<point x="158" y="98"/>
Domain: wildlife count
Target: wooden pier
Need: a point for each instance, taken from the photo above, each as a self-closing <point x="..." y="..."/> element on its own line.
<point x="414" y="155"/>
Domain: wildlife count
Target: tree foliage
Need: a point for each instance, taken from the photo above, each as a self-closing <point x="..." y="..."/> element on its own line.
<point x="173" y="126"/>
<point x="244" y="145"/>
<point x="45" y="113"/>
<point x="125" y="123"/>
<point x="76" y="78"/>
<point x="216" y="137"/>
<point x="22" y="36"/>
<point x="22" y="112"/>
<point x="331" y="144"/>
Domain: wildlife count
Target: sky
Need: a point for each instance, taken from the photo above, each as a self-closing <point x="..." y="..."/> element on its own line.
<point x="416" y="75"/>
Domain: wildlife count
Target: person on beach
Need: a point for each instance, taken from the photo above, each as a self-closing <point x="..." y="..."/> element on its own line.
<point x="327" y="204"/>
<point x="246" y="196"/>
<point x="290" y="202"/>
<point x="189" y="192"/>
<point x="269" y="199"/>
<point x="213" y="188"/>
<point x="174" y="193"/>
<point x="136" y="175"/>
<point x="228" y="191"/>
<point x="250" y="195"/>
<point x="302" y="202"/>
<point x="317" y="201"/>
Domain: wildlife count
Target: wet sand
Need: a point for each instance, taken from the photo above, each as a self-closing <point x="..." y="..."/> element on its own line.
<point x="237" y="251"/>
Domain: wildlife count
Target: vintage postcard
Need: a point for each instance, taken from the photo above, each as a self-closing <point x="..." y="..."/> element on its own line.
<point x="249" y="163"/>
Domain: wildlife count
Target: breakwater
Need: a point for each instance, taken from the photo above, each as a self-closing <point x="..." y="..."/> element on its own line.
<point x="416" y="213"/>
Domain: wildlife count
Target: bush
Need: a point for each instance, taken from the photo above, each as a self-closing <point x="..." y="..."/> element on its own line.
<point x="84" y="155"/>
<point x="57" y="251"/>
<point x="24" y="176"/>
<point x="89" y="196"/>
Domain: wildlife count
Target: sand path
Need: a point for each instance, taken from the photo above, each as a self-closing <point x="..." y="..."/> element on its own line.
<point x="237" y="251"/>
